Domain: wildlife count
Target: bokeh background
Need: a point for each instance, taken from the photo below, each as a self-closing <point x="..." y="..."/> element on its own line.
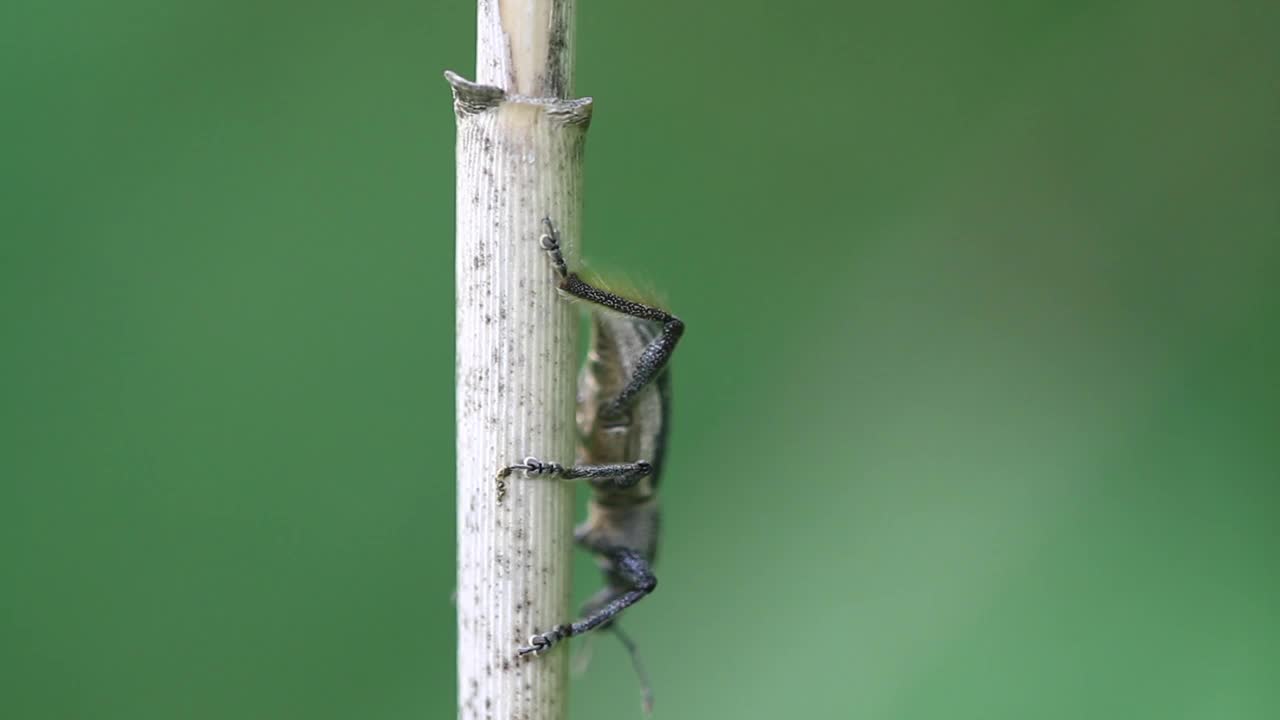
<point x="977" y="413"/>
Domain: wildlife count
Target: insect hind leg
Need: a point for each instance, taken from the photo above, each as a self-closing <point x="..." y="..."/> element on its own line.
<point x="629" y="566"/>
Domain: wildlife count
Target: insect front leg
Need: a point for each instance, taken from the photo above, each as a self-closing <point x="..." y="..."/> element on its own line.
<point x="654" y="357"/>
<point x="618" y="475"/>
<point x="629" y="566"/>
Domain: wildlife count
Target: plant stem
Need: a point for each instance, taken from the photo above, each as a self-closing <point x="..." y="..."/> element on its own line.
<point x="519" y="159"/>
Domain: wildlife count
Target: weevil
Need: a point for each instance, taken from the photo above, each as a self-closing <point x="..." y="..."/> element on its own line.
<point x="624" y="408"/>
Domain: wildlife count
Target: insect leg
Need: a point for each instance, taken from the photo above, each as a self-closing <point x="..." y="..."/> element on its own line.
<point x="550" y="241"/>
<point x="658" y="352"/>
<point x="629" y="566"/>
<point x="619" y="475"/>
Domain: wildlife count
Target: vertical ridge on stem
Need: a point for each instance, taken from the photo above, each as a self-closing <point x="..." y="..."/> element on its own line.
<point x="519" y="159"/>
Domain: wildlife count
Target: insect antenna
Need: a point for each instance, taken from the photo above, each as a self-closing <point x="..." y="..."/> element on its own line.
<point x="582" y="658"/>
<point x="646" y="692"/>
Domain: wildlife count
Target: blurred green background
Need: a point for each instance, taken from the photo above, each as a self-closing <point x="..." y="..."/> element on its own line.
<point x="977" y="414"/>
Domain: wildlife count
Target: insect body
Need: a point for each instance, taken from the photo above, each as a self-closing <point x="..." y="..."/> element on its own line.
<point x="624" y="401"/>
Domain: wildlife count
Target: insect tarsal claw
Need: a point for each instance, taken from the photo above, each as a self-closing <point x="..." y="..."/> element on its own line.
<point x="535" y="646"/>
<point x="506" y="471"/>
<point x="543" y="642"/>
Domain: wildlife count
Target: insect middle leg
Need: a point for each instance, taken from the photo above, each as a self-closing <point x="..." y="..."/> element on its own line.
<point x="618" y="475"/>
<point x="655" y="355"/>
<point x="636" y="576"/>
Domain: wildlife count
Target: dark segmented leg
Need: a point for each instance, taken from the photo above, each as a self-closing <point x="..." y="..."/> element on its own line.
<point x="629" y="566"/>
<point x="620" y="475"/>
<point x="654" y="357"/>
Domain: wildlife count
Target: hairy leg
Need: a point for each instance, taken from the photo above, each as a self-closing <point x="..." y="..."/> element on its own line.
<point x="631" y="567"/>
<point x="619" y="475"/>
<point x="658" y="352"/>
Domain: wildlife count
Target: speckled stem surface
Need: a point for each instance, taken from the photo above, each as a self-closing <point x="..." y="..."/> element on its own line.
<point x="519" y="159"/>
